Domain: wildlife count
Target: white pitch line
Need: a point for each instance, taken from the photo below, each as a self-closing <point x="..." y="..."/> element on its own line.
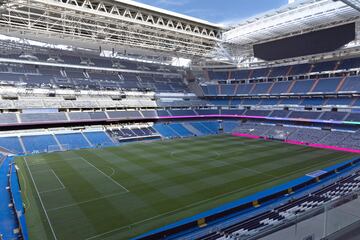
<point x="52" y="190"/>
<point x="177" y="210"/>
<point x="87" y="201"/>
<point x="41" y="202"/>
<point x="198" y="203"/>
<point x="256" y="171"/>
<point x="105" y="175"/>
<point x="63" y="186"/>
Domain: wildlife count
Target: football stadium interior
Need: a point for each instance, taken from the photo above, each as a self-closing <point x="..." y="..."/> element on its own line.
<point x="120" y="120"/>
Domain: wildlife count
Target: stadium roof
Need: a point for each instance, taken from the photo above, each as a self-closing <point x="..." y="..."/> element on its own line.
<point x="109" y="23"/>
<point x="170" y="13"/>
<point x="296" y="18"/>
<point x="293" y="19"/>
<point x="129" y="26"/>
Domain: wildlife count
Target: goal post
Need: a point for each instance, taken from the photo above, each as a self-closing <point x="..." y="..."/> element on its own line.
<point x="58" y="148"/>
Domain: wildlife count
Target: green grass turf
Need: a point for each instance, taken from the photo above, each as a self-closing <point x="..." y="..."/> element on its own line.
<point x="121" y="192"/>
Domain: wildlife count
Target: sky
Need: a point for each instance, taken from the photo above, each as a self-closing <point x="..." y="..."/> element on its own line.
<point x="218" y="11"/>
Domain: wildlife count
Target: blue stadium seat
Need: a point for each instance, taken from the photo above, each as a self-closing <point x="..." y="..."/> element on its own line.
<point x="213" y="126"/>
<point x="235" y="102"/>
<point x="270" y="101"/>
<point x="313" y="102"/>
<point x="353" y="117"/>
<point x="213" y="90"/>
<point x="280" y="87"/>
<point x="207" y="111"/>
<point x="181" y="130"/>
<point x="279" y="71"/>
<point x="232" y="111"/>
<point x="279" y="113"/>
<point x="165" y="130"/>
<point x="351" y="84"/>
<point x="300" y="69"/>
<point x="219" y="102"/>
<point x="327" y="85"/>
<point x="306" y="115"/>
<point x="349" y="63"/>
<point x="202" y="128"/>
<point x="260" y="73"/>
<point x="339" y="101"/>
<point x="337" y="116"/>
<point x="291" y="101"/>
<point x="302" y="86"/>
<point x="218" y="75"/>
<point x="244" y="89"/>
<point x="324" y="66"/>
<point x="257" y="112"/>
<point x="98" y="138"/>
<point x="227" y="89"/>
<point x="11" y="144"/>
<point x="229" y="126"/>
<point x="73" y="140"/>
<point x="38" y="143"/>
<point x="163" y="113"/>
<point x="251" y="101"/>
<point x="261" y="88"/>
<point x="182" y="112"/>
<point x="240" y="74"/>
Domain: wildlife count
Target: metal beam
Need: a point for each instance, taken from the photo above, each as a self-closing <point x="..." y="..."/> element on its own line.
<point x="107" y="23"/>
<point x="355" y="4"/>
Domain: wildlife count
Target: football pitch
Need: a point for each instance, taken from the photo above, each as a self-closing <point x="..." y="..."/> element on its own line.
<point x="121" y="192"/>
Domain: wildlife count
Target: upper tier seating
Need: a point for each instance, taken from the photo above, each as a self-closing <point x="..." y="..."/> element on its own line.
<point x="340" y="101"/>
<point x="324" y="66"/>
<point x="300" y="69"/>
<point x="349" y="63"/>
<point x="351" y="84"/>
<point x="43" y="117"/>
<point x="124" y="114"/>
<point x="327" y="85"/>
<point x="281" y="71"/>
<point x="260" y="72"/>
<point x="227" y="89"/>
<point x="279" y="113"/>
<point x="308" y="115"/>
<point x="337" y="116"/>
<point x="8" y="118"/>
<point x="207" y="112"/>
<point x="353" y="117"/>
<point x="302" y="86"/>
<point x="240" y="74"/>
<point x="261" y="88"/>
<point x="244" y="89"/>
<point x="280" y="87"/>
<point x="182" y="112"/>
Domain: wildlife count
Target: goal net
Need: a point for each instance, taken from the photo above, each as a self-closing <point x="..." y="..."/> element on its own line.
<point x="58" y="148"/>
<point x="279" y="134"/>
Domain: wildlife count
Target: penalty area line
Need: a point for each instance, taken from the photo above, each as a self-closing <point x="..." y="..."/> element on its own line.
<point x="41" y="202"/>
<point x="107" y="176"/>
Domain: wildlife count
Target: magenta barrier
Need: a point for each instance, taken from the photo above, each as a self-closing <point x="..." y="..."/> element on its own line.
<point x="323" y="146"/>
<point x="334" y="148"/>
<point x="211" y="116"/>
<point x="246" y="135"/>
<point x="294" y="142"/>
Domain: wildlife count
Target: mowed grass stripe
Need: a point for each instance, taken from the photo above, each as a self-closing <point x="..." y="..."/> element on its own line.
<point x="165" y="187"/>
